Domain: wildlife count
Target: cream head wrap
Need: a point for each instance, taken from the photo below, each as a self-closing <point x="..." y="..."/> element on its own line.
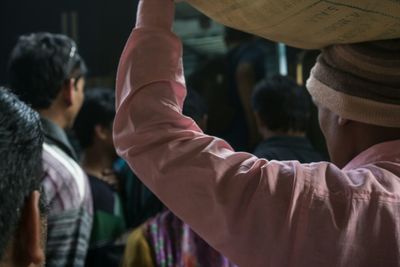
<point x="360" y="82"/>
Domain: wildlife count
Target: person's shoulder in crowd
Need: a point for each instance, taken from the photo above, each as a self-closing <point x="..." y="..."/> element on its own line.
<point x="285" y="148"/>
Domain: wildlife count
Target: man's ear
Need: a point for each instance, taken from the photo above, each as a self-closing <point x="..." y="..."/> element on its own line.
<point x="100" y="132"/>
<point x="30" y="250"/>
<point x="68" y="91"/>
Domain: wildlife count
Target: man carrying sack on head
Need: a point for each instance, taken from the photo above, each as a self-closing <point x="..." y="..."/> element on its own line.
<point x="270" y="213"/>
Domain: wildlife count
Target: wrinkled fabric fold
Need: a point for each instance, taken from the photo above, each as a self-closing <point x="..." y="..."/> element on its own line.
<point x="256" y="212"/>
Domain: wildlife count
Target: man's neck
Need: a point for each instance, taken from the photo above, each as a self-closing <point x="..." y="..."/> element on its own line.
<point x="55" y="117"/>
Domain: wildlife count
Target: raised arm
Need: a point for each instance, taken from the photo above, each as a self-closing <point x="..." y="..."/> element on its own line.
<point x="235" y="201"/>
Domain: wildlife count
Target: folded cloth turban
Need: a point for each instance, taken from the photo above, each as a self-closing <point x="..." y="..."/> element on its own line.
<point x="360" y="82"/>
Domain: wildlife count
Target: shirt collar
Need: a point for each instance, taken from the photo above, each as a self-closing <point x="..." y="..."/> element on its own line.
<point x="387" y="151"/>
<point x="54" y="134"/>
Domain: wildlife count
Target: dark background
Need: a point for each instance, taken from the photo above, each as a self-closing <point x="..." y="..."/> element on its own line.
<point x="100" y="27"/>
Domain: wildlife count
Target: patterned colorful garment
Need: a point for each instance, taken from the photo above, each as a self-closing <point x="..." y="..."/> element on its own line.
<point x="165" y="241"/>
<point x="69" y="221"/>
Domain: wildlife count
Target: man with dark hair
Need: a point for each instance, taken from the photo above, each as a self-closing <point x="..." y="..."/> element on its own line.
<point x="282" y="111"/>
<point x="47" y="73"/>
<point x="21" y="211"/>
<point x="270" y="213"/>
<point x="93" y="128"/>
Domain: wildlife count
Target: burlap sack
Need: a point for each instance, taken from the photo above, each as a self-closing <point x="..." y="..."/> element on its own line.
<point x="308" y="23"/>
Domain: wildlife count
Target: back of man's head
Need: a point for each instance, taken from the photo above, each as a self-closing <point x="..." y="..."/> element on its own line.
<point x="357" y="91"/>
<point x="281" y="105"/>
<point x="39" y="66"/>
<point x="98" y="109"/>
<point x="21" y="142"/>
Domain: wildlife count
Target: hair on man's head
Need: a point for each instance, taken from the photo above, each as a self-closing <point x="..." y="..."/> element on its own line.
<point x="282" y="105"/>
<point x="98" y="109"/>
<point x="40" y="64"/>
<point x="21" y="141"/>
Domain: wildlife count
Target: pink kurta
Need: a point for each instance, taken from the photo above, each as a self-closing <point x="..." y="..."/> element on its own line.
<point x="254" y="211"/>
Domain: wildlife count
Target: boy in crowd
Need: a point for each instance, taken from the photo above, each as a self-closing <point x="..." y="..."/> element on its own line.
<point x="282" y="111"/>
<point x="47" y="72"/>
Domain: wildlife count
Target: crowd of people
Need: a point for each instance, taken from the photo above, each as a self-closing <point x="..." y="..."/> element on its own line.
<point x="132" y="177"/>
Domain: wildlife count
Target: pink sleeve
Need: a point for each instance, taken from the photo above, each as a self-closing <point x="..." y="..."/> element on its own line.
<point x="235" y="201"/>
